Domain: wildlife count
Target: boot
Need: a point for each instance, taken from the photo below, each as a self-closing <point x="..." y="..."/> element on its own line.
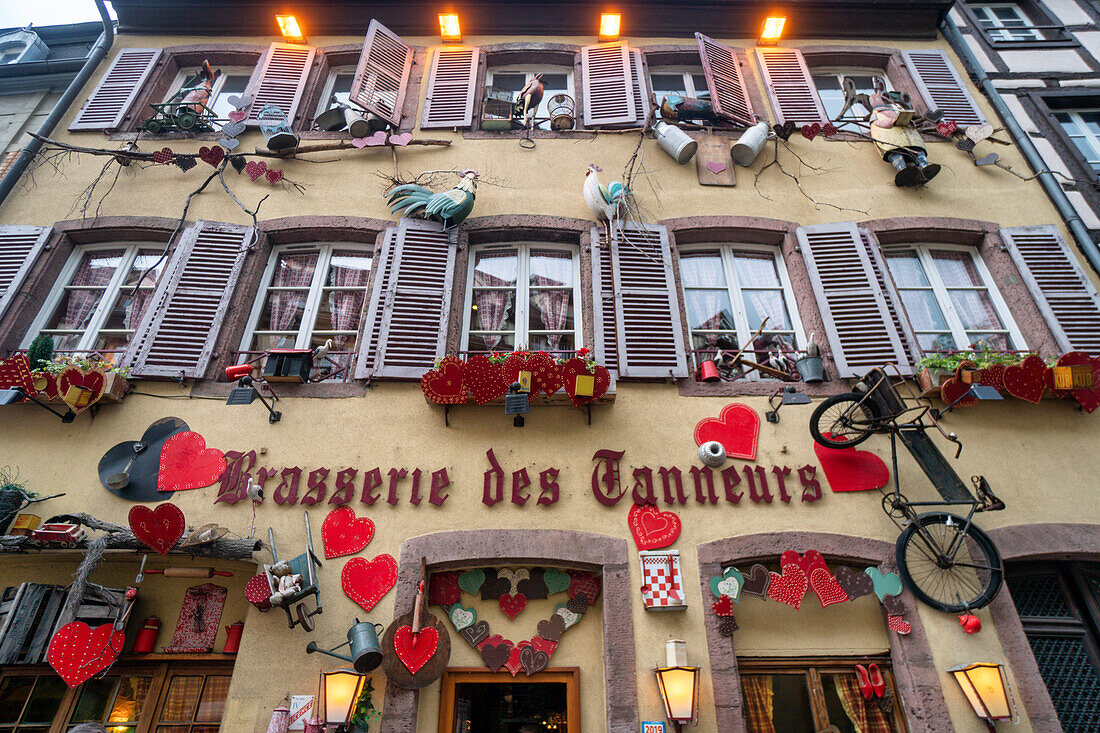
<point x="928" y="170"/>
<point x="908" y="174"/>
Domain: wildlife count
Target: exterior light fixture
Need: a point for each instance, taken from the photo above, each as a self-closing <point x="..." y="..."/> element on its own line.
<point x="340" y="689"/>
<point x="609" y="26"/>
<point x="679" y="684"/>
<point x="986" y="688"/>
<point x="449" y="29"/>
<point x="245" y="393"/>
<point x="976" y="391"/>
<point x="787" y="396"/>
<point x="772" y="30"/>
<point x="288" y="26"/>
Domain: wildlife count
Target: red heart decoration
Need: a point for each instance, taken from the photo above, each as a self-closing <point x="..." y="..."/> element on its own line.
<point x="947" y="128"/>
<point x="255" y="168"/>
<point x="444" y="384"/>
<point x="186" y="463"/>
<point x="570" y="370"/>
<point x="848" y="469"/>
<point x="238" y="115"/>
<point x="1026" y="380"/>
<point x="811" y="131"/>
<point x="790" y="587"/>
<point x="257" y="591"/>
<point x="512" y="366"/>
<point x="80" y="389"/>
<point x="541" y="644"/>
<point x="512" y="605"/>
<point x="367" y="582"/>
<point x="46" y="385"/>
<point x="545" y="374"/>
<point x="343" y="534"/>
<point x="484" y="379"/>
<point x="737" y="428"/>
<point x="415" y="650"/>
<point x="213" y="155"/>
<point x="514" y="663"/>
<point x="806" y="563"/>
<point x="79" y="652"/>
<point x="952" y="389"/>
<point x="16" y="372"/>
<point x="584" y="584"/>
<point x="723" y="606"/>
<point x="1088" y="398"/>
<point x="159" y="529"/>
<point x="898" y="624"/>
<point x="164" y="155"/>
<point x="652" y="528"/>
<point x="273" y="176"/>
<point x="828" y="129"/>
<point x="993" y="376"/>
<point x="826" y="587"/>
<point x="443" y="589"/>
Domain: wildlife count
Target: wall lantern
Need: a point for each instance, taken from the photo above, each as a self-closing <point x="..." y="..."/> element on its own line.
<point x="245" y="393"/>
<point x="288" y="26"/>
<point x="679" y="684"/>
<point x="986" y="688"/>
<point x="449" y="29"/>
<point x="772" y="30"/>
<point x="609" y="26"/>
<point x="338" y="691"/>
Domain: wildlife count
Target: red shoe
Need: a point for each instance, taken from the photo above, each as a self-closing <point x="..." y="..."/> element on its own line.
<point x="864" y="681"/>
<point x="878" y="684"/>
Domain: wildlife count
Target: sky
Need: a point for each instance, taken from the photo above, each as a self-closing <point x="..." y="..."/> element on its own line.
<point x="18" y="13"/>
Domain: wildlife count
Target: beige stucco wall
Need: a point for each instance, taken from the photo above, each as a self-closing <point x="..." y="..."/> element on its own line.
<point x="1040" y="459"/>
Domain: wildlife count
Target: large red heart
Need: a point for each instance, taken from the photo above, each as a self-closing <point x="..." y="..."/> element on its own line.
<point x="414" y="650"/>
<point x="159" y="529"/>
<point x="512" y="366"/>
<point x="367" y="582"/>
<point x="514" y="663"/>
<point x="16" y="372"/>
<point x="79" y="652"/>
<point x="570" y="370"/>
<point x="737" y="428"/>
<point x="343" y="534"/>
<point x="652" y="528"/>
<point x="1087" y="397"/>
<point x="848" y="469"/>
<point x="790" y="587"/>
<point x="807" y="562"/>
<point x="443" y="589"/>
<point x="512" y="605"/>
<point x="80" y="389"/>
<point x="545" y="374"/>
<point x="444" y="385"/>
<point x="1026" y="380"/>
<point x="954" y="389"/>
<point x="826" y="587"/>
<point x="993" y="376"/>
<point x="484" y="379"/>
<point x="186" y="463"/>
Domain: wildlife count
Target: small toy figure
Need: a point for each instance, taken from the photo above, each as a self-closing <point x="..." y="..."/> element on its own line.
<point x="900" y="144"/>
<point x="289" y="583"/>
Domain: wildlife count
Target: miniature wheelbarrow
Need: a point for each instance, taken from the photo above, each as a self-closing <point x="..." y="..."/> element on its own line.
<point x="304" y="565"/>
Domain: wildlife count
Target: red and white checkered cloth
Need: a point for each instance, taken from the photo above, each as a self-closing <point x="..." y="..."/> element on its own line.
<point x="662" y="583"/>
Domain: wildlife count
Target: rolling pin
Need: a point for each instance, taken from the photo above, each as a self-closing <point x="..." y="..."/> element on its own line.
<point x="196" y="572"/>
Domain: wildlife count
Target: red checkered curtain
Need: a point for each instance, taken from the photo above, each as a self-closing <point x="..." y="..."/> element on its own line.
<point x="95" y="271"/>
<point x="349" y="270"/>
<point x="866" y="715"/>
<point x="759" y="698"/>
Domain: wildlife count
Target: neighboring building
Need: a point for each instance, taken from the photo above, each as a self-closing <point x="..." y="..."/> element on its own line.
<point x="173" y="281"/>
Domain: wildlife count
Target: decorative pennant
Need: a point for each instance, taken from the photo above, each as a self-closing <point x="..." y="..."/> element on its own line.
<point x="186" y="463"/>
<point x="343" y="534"/>
<point x="414" y="650"/>
<point x="727" y="625"/>
<point x="533" y="586"/>
<point x="78" y="652"/>
<point x="583" y="583"/>
<point x="495" y="656"/>
<point x="494" y="587"/>
<point x="568" y="616"/>
<point x="255" y="168"/>
<point x="727" y="584"/>
<point x="163" y="156"/>
<point x="160" y="528"/>
<point x="788" y="587"/>
<point x="514" y="576"/>
<point x="184" y="162"/>
<point x="533" y="660"/>
<point x="257" y="591"/>
<point x="81" y="389"/>
<point x="552" y="628"/>
<point x="652" y="529"/>
<point x="213" y="155"/>
<point x="476" y="633"/>
<point x="367" y="583"/>
<point x="849" y="469"/>
<point x="885" y="584"/>
<point x="557" y="581"/>
<point x="737" y="428"/>
<point x="199" y="621"/>
<point x="514" y="665"/>
<point x="545" y="374"/>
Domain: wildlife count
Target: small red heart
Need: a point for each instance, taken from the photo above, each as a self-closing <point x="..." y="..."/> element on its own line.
<point x="159" y="529"/>
<point x="737" y="428"/>
<point x="415" y="650"/>
<point x="273" y="176"/>
<point x="723" y="606"/>
<point x="484" y="379"/>
<point x="443" y="589"/>
<point x="163" y="156"/>
<point x="848" y="469"/>
<point x="790" y="587"/>
<point x="238" y="115"/>
<point x="542" y="644"/>
<point x="81" y="389"/>
<point x="78" y="652"/>
<point x="947" y="128"/>
<point x="515" y="662"/>
<point x="186" y="463"/>
<point x="1026" y="380"/>
<point x="512" y="366"/>
<point x="826" y="587"/>
<point x="806" y="563"/>
<point x="811" y="131"/>
<point x="367" y="583"/>
<point x="445" y="385"/>
<point x="343" y="534"/>
<point x="952" y="389"/>
<point x="828" y="129"/>
<point x="993" y="376"/>
<point x="570" y="370"/>
<point x="213" y="155"/>
<point x="512" y="605"/>
<point x="898" y="624"/>
<point x="545" y="374"/>
<point x="257" y="591"/>
<point x="255" y="168"/>
<point x="652" y="528"/>
<point x="584" y="584"/>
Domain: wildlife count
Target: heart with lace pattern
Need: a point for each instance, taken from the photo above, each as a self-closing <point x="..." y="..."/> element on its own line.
<point x="415" y="650"/>
<point x="78" y="652"/>
<point x="652" y="529"/>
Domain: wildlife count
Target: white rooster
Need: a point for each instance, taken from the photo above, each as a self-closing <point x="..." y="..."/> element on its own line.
<point x="607" y="203"/>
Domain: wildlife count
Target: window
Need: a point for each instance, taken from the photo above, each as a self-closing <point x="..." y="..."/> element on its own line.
<point x="685" y="81"/>
<point x="194" y="703"/>
<point x="505" y="82"/>
<point x="233" y="80"/>
<point x="729" y="290"/>
<point x="810" y="695"/>
<point x="1005" y="22"/>
<point x="100" y="298"/>
<point x="950" y="306"/>
<point x="474" y="699"/>
<point x="9" y="52"/>
<point x="115" y="699"/>
<point x="311" y="293"/>
<point x="830" y="88"/>
<point x="337" y="88"/>
<point x="523" y="296"/>
<point x="1083" y="129"/>
<point x="29" y="702"/>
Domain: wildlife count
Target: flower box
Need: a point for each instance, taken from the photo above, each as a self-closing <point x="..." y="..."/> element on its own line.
<point x="929" y="380"/>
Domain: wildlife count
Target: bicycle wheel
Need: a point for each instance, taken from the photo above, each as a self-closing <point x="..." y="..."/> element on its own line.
<point x="945" y="568"/>
<point x="846" y="421"/>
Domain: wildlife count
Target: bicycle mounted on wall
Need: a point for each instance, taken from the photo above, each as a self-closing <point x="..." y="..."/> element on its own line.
<point x="934" y="559"/>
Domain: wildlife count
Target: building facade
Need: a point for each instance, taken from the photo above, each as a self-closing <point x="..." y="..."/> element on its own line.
<point x="557" y="554"/>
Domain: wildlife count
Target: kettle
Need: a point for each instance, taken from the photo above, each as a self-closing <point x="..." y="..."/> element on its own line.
<point x="233" y="637"/>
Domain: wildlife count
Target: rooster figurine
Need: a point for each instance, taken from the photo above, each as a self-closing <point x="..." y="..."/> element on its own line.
<point x="529" y="99"/>
<point x="606" y="202"/>
<point x="448" y="207"/>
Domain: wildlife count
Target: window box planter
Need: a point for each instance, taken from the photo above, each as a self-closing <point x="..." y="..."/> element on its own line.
<point x="930" y="379"/>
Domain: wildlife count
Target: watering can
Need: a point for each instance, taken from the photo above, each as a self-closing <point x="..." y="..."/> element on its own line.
<point x="366" y="652"/>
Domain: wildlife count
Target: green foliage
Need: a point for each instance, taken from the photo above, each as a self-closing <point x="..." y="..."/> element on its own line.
<point x="949" y="361"/>
<point x="41" y="351"/>
<point x="86" y="363"/>
<point x="364" y="708"/>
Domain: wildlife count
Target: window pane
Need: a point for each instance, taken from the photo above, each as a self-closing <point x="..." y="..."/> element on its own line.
<point x="707" y="341"/>
<point x="95" y="696"/>
<point x="75" y="309"/>
<point x="130" y="699"/>
<point x="702" y="270"/>
<point x="294" y="270"/>
<point x="923" y="310"/>
<point x="97" y="268"/>
<point x="975" y="310"/>
<point x="213" y="700"/>
<point x="562" y="343"/>
<point x="182" y="698"/>
<point x="906" y="270"/>
<point x="511" y="81"/>
<point x="283" y="310"/>
<point x="770" y="303"/>
<point x="849" y="711"/>
<point x="341" y="89"/>
<point x="13" y="694"/>
<point x="777" y="702"/>
<point x="990" y="341"/>
<point x="348" y="269"/>
<point x="267" y="342"/>
<point x="709" y="310"/>
<point x="700" y="83"/>
<point x="128" y="309"/>
<point x="957" y="269"/>
<point x="339" y="310"/>
<point x="756" y="270"/>
<point x="551" y="310"/>
<point x="495" y="269"/>
<point x="492" y="341"/>
<point x="551" y="268"/>
<point x="494" y="310"/>
<point x="146" y="259"/>
<point x="234" y="84"/>
<point x="45" y="700"/>
<point x="936" y="341"/>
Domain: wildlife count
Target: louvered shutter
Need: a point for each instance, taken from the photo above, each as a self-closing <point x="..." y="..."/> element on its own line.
<point x="940" y="86"/>
<point x="406" y="327"/>
<point x="382" y="76"/>
<point x="853" y="306"/>
<point x="451" y="82"/>
<point x="790" y="86"/>
<point x="177" y="333"/>
<point x="893" y="300"/>
<point x="648" y="330"/>
<point x="108" y="104"/>
<point x="606" y="345"/>
<point x="726" y="83"/>
<point x="638" y="86"/>
<point x="608" y="84"/>
<point x="279" y="80"/>
<point x="1064" y="294"/>
<point x="19" y="248"/>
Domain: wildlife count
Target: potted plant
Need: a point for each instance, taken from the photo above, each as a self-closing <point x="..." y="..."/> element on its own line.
<point x="116" y="384"/>
<point x="934" y="368"/>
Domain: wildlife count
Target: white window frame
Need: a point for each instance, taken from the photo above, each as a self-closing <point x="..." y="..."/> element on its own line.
<point x="330" y="83"/>
<point x="1093" y="139"/>
<point x="111" y="290"/>
<point x="216" y="89"/>
<point x="737" y="301"/>
<point x="523" y="279"/>
<point x="842" y="71"/>
<point x="943" y="298"/>
<point x="570" y="88"/>
<point x="317" y="287"/>
<point x="687" y="72"/>
<point x="997" y="31"/>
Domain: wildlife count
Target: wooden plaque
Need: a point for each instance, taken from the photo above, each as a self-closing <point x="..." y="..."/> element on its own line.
<point x="397" y="672"/>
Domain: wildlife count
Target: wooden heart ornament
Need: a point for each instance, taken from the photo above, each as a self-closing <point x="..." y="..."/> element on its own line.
<point x="415" y="660"/>
<point x="788" y="587"/>
<point x="186" y="463"/>
<point x="570" y="370"/>
<point x="826" y="586"/>
<point x="16" y="372"/>
<point x="444" y="385"/>
<point x="652" y="528"/>
<point x="848" y="469"/>
<point x="81" y="389"/>
<point x="414" y="650"/>
<point x="343" y="534"/>
<point x="737" y="428"/>
<point x="367" y="583"/>
<point x="1026" y="380"/>
<point x="78" y="652"/>
<point x="159" y="529"/>
<point x="484" y="379"/>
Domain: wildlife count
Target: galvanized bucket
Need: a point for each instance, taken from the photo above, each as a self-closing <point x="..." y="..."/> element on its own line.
<point x="675" y="142"/>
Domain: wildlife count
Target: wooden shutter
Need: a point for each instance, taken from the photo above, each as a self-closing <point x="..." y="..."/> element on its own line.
<point x="1064" y="294"/>
<point x="177" y="333"/>
<point x="406" y="327"/>
<point x="28" y="613"/>
<point x="790" y="86"/>
<point x="940" y="86"/>
<point x="451" y="83"/>
<point x="279" y="80"/>
<point x="19" y="248"/>
<point x="726" y="83"/>
<point x="606" y="345"/>
<point x="639" y="88"/>
<point x="383" y="73"/>
<point x="648" y="330"/>
<point x="608" y="83"/>
<point x="853" y="306"/>
<point x="111" y="100"/>
<point x="893" y="300"/>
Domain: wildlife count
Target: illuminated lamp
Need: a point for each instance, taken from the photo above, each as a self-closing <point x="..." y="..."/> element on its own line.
<point x="772" y="30"/>
<point x="986" y="689"/>
<point x="449" y="29"/>
<point x="288" y="26"/>
<point x="609" y="26"/>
